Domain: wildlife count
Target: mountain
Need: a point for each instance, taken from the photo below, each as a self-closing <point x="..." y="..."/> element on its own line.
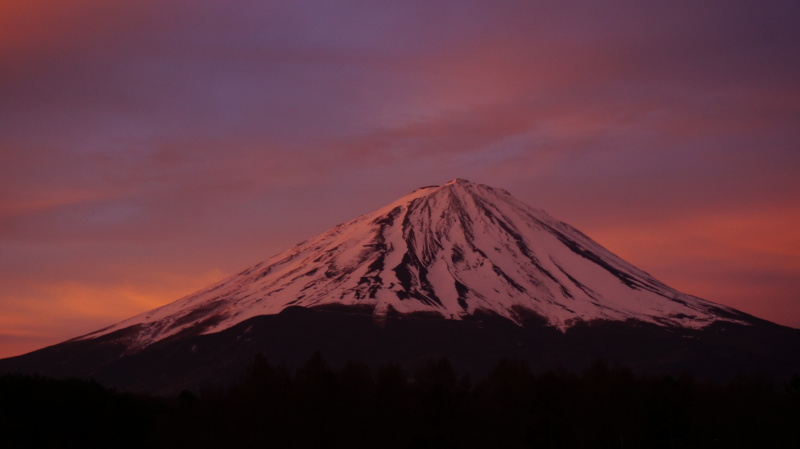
<point x="461" y="270"/>
<point x="448" y="250"/>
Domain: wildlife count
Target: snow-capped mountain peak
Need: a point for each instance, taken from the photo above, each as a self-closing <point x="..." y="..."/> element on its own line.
<point x="452" y="250"/>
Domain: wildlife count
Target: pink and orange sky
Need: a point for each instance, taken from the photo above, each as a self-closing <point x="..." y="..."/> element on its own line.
<point x="150" y="148"/>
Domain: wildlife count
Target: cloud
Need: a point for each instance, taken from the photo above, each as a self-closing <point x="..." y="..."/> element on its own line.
<point x="749" y="259"/>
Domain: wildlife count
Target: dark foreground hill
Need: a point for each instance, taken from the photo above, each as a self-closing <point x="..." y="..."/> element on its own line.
<point x="720" y="351"/>
<point x="434" y="406"/>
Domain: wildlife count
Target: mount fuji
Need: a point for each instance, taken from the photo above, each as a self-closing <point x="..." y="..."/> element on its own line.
<point x="461" y="270"/>
<point x="448" y="250"/>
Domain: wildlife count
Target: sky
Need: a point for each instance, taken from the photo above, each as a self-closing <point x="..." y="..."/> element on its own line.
<point x="151" y="148"/>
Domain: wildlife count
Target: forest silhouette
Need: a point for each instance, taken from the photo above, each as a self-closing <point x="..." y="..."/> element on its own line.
<point x="432" y="406"/>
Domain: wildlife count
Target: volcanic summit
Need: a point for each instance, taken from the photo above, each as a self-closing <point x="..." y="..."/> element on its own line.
<point x="450" y="250"/>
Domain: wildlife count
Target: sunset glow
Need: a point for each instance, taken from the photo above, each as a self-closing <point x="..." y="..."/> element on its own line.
<point x="149" y="149"/>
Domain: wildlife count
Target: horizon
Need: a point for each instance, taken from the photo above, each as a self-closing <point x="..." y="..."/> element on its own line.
<point x="149" y="150"/>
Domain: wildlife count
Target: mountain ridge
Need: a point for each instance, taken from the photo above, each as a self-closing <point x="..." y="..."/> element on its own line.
<point x="460" y="271"/>
<point x="451" y="249"/>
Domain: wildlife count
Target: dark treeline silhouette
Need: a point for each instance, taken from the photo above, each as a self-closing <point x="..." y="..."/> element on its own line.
<point x="432" y="407"/>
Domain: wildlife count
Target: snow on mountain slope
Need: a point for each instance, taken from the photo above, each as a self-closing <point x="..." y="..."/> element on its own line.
<point x="450" y="249"/>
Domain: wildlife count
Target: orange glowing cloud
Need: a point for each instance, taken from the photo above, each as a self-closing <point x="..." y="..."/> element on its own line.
<point x="53" y="312"/>
<point x="748" y="260"/>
